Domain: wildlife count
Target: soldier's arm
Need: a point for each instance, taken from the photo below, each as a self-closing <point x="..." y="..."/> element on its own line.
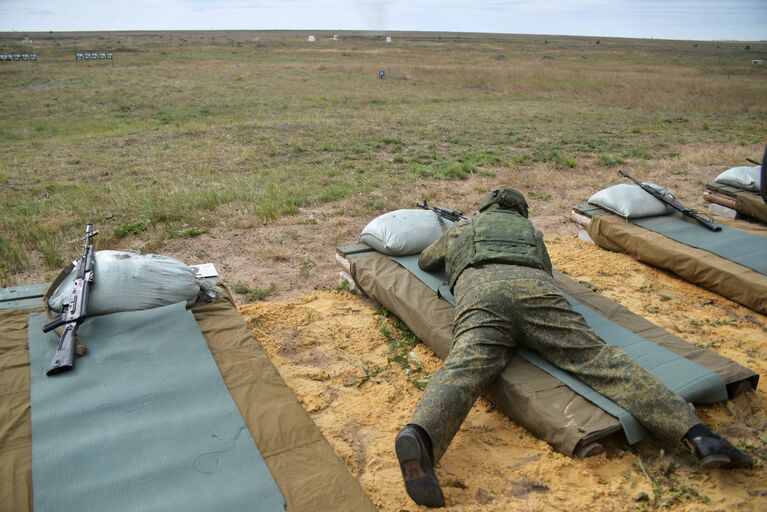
<point x="432" y="258"/>
<point x="547" y="266"/>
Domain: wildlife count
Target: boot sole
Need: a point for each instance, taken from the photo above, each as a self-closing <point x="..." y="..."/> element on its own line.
<point x="715" y="461"/>
<point x="422" y="487"/>
<point x="723" y="461"/>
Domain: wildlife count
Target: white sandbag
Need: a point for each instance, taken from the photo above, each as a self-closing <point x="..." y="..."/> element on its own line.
<point x="631" y="202"/>
<point x="125" y="281"/>
<point x="745" y="177"/>
<point x="404" y="232"/>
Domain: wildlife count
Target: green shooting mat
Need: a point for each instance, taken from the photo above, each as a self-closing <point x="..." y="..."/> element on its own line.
<point x="686" y="378"/>
<point x="741" y="247"/>
<point x="143" y="422"/>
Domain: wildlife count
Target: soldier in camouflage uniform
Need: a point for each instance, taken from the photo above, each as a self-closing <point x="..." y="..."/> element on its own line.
<point x="500" y="273"/>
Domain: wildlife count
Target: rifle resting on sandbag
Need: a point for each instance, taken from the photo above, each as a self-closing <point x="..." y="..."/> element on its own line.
<point x="445" y="213"/>
<point x="74" y="311"/>
<point x="673" y="203"/>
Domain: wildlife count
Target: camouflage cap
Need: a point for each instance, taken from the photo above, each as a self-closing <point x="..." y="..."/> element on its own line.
<point x="505" y="197"/>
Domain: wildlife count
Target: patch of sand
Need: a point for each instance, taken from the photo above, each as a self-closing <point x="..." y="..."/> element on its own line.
<point x="329" y="350"/>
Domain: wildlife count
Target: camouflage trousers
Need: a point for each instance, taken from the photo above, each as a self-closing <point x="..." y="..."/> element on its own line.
<point x="503" y="306"/>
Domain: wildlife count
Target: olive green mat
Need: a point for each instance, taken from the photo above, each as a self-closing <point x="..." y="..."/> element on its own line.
<point x="143" y="422"/>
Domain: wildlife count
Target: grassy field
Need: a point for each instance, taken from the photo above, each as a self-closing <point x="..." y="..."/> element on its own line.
<point x="183" y="132"/>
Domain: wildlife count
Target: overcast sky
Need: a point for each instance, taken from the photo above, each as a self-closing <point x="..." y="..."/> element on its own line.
<point x="672" y="19"/>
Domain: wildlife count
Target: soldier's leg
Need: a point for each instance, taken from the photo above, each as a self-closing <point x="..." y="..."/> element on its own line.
<point x="547" y="323"/>
<point x="453" y="389"/>
<point x="481" y="350"/>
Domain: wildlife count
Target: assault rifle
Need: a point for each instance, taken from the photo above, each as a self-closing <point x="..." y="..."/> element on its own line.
<point x="673" y="203"/>
<point x="445" y="213"/>
<point x="74" y="311"/>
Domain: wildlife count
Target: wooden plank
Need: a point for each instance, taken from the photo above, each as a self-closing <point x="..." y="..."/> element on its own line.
<point x="716" y="198"/>
<point x="346" y="250"/>
<point x="728" y="190"/>
<point x="36" y="302"/>
<point x="589" y="210"/>
<point x="28" y="291"/>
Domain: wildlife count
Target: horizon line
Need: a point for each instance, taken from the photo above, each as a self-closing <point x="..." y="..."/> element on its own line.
<point x="382" y="32"/>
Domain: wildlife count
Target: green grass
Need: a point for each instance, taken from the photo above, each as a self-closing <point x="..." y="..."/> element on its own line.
<point x="254" y="294"/>
<point x="131" y="228"/>
<point x="172" y="134"/>
<point x="400" y="343"/>
<point x="188" y="233"/>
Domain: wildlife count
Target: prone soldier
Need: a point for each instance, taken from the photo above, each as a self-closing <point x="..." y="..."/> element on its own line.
<point x="500" y="273"/>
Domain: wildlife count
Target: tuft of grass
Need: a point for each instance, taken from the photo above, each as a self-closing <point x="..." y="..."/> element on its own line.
<point x="52" y="255"/>
<point x="637" y="153"/>
<point x="131" y="228"/>
<point x="447" y="170"/>
<point x="342" y="286"/>
<point x="11" y="258"/>
<point x="609" y="161"/>
<point x="335" y="192"/>
<point x="719" y="322"/>
<point x="306" y="268"/>
<point x="539" y="197"/>
<point x="188" y="233"/>
<point x="557" y="160"/>
<point x="254" y="294"/>
<point x="668" y="490"/>
<point x="401" y="341"/>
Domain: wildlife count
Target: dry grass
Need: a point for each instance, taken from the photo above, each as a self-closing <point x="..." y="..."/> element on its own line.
<point x="191" y="131"/>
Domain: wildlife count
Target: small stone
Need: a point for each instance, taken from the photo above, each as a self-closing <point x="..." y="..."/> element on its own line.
<point x="484" y="497"/>
<point x="109" y="215"/>
<point x="642" y="496"/>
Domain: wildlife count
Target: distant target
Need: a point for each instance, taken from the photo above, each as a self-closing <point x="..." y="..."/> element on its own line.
<point x="381" y="74"/>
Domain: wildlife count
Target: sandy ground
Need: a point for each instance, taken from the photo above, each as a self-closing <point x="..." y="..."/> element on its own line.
<point x="329" y="349"/>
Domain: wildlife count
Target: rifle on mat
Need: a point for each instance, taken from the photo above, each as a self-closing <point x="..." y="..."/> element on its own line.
<point x="74" y="311"/>
<point x="673" y="203"/>
<point x="445" y="213"/>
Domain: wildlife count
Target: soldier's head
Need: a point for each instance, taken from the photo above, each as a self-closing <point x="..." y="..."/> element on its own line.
<point x="506" y="198"/>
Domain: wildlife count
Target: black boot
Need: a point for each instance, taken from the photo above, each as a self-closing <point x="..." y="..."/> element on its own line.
<point x="714" y="452"/>
<point x="415" y="460"/>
